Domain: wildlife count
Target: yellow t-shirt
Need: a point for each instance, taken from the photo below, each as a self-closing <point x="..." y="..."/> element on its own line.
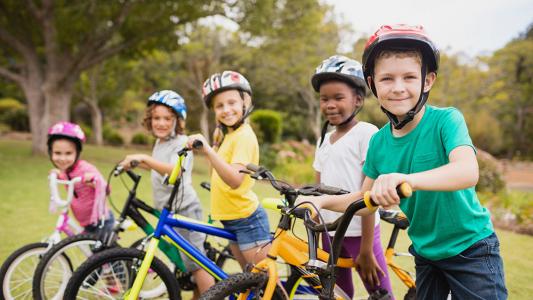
<point x="238" y="147"/>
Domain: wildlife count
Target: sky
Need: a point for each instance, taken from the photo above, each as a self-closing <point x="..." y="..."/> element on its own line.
<point x="473" y="27"/>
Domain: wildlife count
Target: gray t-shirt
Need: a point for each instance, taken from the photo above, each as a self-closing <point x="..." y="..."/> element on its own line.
<point x="166" y="152"/>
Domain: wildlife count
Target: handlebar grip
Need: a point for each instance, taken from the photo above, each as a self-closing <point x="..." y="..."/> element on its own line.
<point x="404" y="190"/>
<point x="134" y="163"/>
<point x="197" y="144"/>
<point x="331" y="190"/>
<point x="272" y="203"/>
<point x="252" y="167"/>
<point x="206" y="185"/>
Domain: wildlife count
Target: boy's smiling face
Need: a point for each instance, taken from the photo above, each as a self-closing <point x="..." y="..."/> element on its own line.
<point x="397" y="79"/>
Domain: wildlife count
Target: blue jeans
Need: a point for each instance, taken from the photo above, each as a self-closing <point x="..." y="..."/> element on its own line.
<point x="476" y="273"/>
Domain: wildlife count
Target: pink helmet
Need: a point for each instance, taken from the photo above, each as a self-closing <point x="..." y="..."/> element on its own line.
<point x="66" y="130"/>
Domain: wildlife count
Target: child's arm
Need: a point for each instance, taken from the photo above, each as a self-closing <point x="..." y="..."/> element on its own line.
<point x="340" y="203"/>
<point x="366" y="261"/>
<point x="229" y="173"/>
<point x="461" y="172"/>
<point x="147" y="162"/>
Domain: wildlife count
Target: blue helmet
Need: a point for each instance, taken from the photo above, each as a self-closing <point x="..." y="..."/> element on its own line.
<point x="172" y="100"/>
<point x="339" y="67"/>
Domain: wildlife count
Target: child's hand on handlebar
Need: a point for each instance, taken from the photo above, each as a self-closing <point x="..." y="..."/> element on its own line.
<point x="197" y="137"/>
<point x="384" y="189"/>
<point x="132" y="160"/>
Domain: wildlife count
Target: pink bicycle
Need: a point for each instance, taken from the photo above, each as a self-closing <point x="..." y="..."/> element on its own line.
<point x="16" y="273"/>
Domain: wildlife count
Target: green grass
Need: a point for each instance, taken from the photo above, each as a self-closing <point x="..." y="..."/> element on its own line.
<point x="24" y="216"/>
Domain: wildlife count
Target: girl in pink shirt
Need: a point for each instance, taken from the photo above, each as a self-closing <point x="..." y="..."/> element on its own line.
<point x="88" y="206"/>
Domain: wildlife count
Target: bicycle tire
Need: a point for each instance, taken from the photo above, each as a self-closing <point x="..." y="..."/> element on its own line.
<point x="88" y="275"/>
<point x="411" y="294"/>
<point x="49" y="283"/>
<point x="15" y="260"/>
<point x="239" y="283"/>
<point x="299" y="285"/>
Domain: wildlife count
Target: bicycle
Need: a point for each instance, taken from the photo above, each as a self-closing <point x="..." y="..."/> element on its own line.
<point x="400" y="222"/>
<point x="16" y="271"/>
<point x="307" y="261"/>
<point x="90" y="278"/>
<point x="52" y="275"/>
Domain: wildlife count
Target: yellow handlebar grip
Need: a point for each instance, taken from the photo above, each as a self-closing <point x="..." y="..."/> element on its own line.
<point x="368" y="201"/>
<point x="404" y="190"/>
<point x="271" y="203"/>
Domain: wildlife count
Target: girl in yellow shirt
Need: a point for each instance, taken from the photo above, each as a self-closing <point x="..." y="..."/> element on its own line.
<point x="235" y="145"/>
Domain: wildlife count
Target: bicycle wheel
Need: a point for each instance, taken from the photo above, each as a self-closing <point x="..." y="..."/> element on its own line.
<point x="17" y="271"/>
<point x="300" y="285"/>
<point x="58" y="264"/>
<point x="236" y="285"/>
<point x="110" y="274"/>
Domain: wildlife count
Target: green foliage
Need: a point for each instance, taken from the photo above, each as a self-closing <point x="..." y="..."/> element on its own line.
<point x="141" y="139"/>
<point x="490" y="177"/>
<point x="87" y="130"/>
<point x="14" y="114"/>
<point x="294" y="162"/>
<point x="112" y="137"/>
<point x="268" y="125"/>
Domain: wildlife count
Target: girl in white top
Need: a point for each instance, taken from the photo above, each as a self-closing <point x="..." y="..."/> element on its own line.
<point x="339" y="160"/>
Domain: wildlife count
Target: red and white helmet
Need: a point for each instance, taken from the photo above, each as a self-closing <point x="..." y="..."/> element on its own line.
<point x="400" y="37"/>
<point x="219" y="82"/>
<point x="66" y="130"/>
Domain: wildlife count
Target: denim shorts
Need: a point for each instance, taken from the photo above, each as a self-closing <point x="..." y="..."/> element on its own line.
<point x="475" y="273"/>
<point x="251" y="231"/>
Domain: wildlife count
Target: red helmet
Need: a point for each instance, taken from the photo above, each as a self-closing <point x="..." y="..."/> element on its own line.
<point x="400" y="37"/>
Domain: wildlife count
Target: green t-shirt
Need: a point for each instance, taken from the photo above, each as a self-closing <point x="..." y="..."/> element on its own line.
<point x="443" y="224"/>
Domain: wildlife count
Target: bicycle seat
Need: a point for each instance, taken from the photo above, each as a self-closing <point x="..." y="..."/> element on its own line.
<point x="394" y="217"/>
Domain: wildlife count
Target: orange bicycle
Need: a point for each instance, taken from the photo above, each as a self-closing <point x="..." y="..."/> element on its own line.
<point x="308" y="263"/>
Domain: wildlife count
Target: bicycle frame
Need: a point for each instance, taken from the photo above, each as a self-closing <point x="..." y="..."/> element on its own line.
<point x="395" y="218"/>
<point x="165" y="230"/>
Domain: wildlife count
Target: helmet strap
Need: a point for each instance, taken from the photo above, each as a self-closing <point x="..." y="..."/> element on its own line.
<point x="323" y="133"/>
<point x="245" y="112"/>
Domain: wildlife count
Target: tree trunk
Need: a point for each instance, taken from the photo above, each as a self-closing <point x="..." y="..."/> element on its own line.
<point x="96" y="122"/>
<point x="46" y="106"/>
<point x="204" y="123"/>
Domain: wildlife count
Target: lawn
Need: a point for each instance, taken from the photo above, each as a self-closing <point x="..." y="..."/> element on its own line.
<point x="25" y="219"/>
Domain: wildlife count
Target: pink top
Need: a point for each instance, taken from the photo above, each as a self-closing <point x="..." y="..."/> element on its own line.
<point x="88" y="205"/>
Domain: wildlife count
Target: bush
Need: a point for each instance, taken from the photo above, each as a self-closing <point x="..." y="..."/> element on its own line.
<point x="88" y="130"/>
<point x="268" y="125"/>
<point x="490" y="175"/>
<point x="14" y="114"/>
<point x="112" y="137"/>
<point x="141" y="139"/>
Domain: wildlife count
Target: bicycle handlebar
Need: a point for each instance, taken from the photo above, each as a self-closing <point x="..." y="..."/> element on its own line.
<point x="54" y="191"/>
<point x="119" y="169"/>
<point x="182" y="153"/>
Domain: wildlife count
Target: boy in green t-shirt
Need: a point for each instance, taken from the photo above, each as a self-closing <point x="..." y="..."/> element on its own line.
<point x="454" y="243"/>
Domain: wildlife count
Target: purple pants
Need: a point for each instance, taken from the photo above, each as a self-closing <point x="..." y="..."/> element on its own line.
<point x="350" y="248"/>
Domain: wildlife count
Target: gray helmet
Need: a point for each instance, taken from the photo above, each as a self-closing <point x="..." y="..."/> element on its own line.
<point x="339" y="67"/>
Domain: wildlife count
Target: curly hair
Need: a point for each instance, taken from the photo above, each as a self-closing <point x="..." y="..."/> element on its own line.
<point x="147" y="120"/>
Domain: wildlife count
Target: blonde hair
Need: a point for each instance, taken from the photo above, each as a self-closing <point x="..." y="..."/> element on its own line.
<point x="147" y="120"/>
<point x="220" y="130"/>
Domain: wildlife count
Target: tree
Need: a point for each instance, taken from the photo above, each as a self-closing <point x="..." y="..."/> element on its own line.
<point x="512" y="86"/>
<point x="45" y="46"/>
<point x="286" y="49"/>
